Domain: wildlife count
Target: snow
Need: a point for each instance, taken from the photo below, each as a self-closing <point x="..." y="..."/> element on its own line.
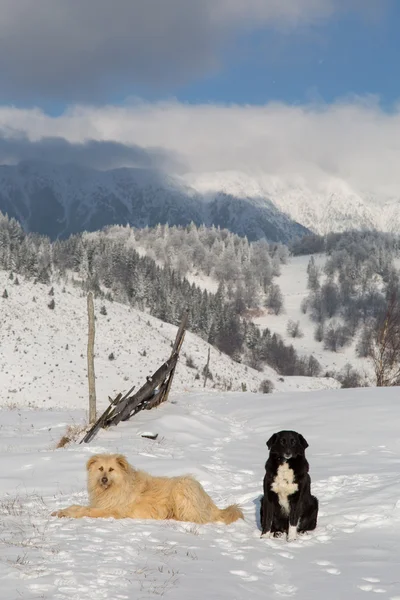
<point x="203" y="281"/>
<point x="43" y="352"/>
<point x="354" y="455"/>
<point x="118" y="195"/>
<point x="322" y="205"/>
<point x="218" y="436"/>
<point x="293" y="285"/>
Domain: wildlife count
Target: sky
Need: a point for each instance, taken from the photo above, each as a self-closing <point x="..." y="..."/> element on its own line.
<point x="278" y="86"/>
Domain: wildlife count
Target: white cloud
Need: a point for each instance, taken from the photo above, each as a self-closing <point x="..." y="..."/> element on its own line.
<point x="354" y="140"/>
<point x="79" y="50"/>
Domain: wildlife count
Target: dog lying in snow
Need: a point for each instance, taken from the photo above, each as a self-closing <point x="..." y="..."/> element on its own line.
<point x="118" y="490"/>
<point x="287" y="505"/>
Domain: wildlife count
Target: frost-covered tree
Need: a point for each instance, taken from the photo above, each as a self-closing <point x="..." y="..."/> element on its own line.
<point x="274" y="299"/>
<point x="313" y="274"/>
<point x="336" y="336"/>
<point x="293" y="329"/>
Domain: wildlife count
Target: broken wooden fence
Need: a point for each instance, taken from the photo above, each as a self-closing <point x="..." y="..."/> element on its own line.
<point x="151" y="394"/>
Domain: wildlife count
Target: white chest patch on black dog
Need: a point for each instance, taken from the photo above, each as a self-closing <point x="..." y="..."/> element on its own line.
<point x="284" y="486"/>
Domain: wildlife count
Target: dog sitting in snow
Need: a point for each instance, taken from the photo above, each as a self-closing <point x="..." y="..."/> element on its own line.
<point x="287" y="505"/>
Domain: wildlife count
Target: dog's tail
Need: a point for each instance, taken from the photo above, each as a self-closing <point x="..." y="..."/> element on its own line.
<point x="230" y="514"/>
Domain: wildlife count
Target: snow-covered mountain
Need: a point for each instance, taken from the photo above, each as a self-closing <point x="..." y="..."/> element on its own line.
<point x="330" y="205"/>
<point x="58" y="200"/>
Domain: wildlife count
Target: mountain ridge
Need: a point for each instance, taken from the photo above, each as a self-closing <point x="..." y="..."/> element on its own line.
<point x="58" y="200"/>
<point x="324" y="206"/>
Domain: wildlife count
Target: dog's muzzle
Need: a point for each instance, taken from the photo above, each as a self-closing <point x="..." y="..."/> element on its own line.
<point x="104" y="480"/>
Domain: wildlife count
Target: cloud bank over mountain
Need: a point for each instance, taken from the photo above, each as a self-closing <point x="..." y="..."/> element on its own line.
<point x="354" y="140"/>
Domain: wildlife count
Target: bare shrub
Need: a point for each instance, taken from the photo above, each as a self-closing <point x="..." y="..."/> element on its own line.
<point x="72" y="434"/>
<point x="190" y="363"/>
<point x="350" y="377"/>
<point x="266" y="386"/>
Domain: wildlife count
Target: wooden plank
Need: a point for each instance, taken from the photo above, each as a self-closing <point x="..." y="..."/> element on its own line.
<point x="145" y="391"/>
<point x="176" y="348"/>
<point x="103" y="418"/>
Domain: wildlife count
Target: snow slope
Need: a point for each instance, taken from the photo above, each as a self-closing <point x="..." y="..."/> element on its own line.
<point x="43" y="351"/>
<point x="293" y="285"/>
<point x="354" y="455"/>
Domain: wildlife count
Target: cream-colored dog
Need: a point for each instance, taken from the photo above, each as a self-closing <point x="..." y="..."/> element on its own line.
<point x="118" y="490"/>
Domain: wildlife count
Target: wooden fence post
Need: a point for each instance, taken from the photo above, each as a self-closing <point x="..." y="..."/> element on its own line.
<point x="90" y="359"/>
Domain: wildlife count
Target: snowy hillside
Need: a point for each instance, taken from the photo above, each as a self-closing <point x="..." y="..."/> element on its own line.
<point x="292" y="282"/>
<point x="293" y="285"/>
<point x="43" y="351"/>
<point x="354" y="457"/>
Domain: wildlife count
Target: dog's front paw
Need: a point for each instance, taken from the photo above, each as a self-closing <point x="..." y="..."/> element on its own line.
<point x="267" y="535"/>
<point x="292" y="534"/>
<point x="72" y="512"/>
<point x="60" y="513"/>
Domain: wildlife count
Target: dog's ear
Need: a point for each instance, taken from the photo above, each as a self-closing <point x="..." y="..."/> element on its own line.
<point x="91" y="461"/>
<point x="303" y="441"/>
<point x="271" y="441"/>
<point x="122" y="462"/>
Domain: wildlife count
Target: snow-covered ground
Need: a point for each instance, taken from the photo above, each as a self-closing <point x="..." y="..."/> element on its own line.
<point x="293" y="285"/>
<point x="354" y="456"/>
<point x="43" y="352"/>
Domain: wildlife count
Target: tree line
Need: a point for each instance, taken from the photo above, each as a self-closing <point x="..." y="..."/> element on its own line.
<point x="108" y="263"/>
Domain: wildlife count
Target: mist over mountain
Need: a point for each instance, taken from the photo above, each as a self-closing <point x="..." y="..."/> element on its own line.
<point x="60" y="199"/>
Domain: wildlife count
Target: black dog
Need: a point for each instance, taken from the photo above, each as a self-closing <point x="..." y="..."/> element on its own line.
<point x="287" y="505"/>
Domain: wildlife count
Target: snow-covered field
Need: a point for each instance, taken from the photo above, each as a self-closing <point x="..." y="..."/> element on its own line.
<point x="354" y="455"/>
<point x="218" y="436"/>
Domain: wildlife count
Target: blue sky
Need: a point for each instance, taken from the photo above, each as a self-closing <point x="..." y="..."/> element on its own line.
<point x="346" y="55"/>
<point x="198" y="51"/>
